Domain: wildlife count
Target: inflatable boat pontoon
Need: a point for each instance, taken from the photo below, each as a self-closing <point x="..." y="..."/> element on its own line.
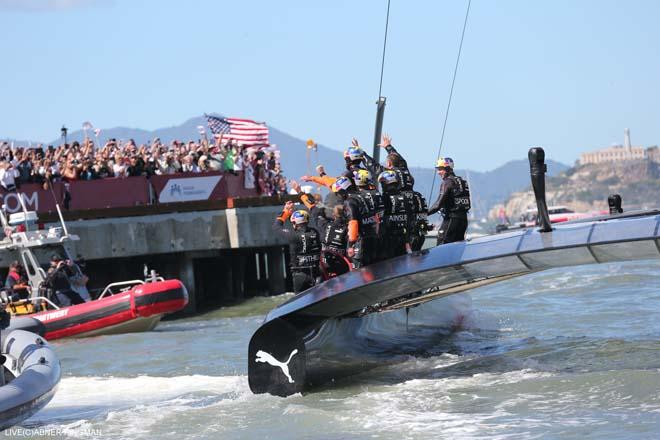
<point x="29" y="374"/>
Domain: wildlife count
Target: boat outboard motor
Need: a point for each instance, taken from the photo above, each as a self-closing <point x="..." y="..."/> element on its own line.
<point x="537" y="169"/>
<point x="614" y="202"/>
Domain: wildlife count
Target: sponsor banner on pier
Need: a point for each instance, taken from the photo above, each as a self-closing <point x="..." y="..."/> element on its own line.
<point x="188" y="189"/>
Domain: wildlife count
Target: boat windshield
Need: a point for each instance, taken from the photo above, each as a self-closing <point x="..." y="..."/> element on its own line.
<point x="44" y="255"/>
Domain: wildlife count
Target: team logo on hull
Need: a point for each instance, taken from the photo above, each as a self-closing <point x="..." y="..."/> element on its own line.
<point x="268" y="358"/>
<point x="52" y="315"/>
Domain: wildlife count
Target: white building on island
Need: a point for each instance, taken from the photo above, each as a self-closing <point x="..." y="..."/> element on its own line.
<point x="619" y="153"/>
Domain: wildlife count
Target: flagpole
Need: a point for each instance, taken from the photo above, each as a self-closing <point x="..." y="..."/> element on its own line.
<point x="309" y="165"/>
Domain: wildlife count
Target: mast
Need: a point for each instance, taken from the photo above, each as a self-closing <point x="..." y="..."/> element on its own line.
<point x="380" y="113"/>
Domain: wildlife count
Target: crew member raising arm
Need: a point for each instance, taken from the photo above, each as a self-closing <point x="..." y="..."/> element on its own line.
<point x="394" y="161"/>
<point x="304" y="247"/>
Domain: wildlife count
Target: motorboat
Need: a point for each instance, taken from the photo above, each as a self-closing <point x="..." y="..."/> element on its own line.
<point x="121" y="307"/>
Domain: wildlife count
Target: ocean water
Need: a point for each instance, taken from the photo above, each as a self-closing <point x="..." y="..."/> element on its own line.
<point x="563" y="354"/>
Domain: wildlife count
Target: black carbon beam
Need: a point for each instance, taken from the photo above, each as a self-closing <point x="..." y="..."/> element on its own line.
<point x="537" y="170"/>
<point x="614" y="203"/>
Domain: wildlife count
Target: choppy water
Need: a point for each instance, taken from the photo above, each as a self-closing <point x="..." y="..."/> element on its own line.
<point x="570" y="354"/>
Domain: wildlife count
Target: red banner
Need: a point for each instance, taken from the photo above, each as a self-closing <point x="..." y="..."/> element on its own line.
<point x="108" y="193"/>
<point x="186" y="187"/>
<point x="35" y="197"/>
<point x="126" y="192"/>
<point x="235" y="186"/>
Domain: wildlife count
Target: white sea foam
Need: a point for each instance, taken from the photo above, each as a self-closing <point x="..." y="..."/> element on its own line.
<point x="84" y="398"/>
<point x="422" y="406"/>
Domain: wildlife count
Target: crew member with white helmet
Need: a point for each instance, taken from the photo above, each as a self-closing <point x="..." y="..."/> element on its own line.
<point x="453" y="203"/>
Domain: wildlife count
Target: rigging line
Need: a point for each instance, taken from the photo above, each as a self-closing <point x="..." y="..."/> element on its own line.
<point x="382" y="64"/>
<point x="451" y="91"/>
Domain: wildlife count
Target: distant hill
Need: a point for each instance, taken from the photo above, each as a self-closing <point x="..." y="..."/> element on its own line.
<point x="585" y="188"/>
<point x="488" y="188"/>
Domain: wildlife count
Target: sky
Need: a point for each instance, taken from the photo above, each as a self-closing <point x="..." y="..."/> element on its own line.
<point x="567" y="75"/>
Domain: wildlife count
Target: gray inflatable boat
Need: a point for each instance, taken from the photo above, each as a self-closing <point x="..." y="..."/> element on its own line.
<point x="29" y="374"/>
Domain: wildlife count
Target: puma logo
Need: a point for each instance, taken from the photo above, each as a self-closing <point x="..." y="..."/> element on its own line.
<point x="264" y="357"/>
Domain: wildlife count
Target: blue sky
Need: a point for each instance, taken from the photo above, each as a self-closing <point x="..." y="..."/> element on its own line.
<point x="568" y="75"/>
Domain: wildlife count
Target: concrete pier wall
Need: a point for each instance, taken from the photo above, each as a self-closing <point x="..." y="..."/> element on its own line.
<point x="175" y="232"/>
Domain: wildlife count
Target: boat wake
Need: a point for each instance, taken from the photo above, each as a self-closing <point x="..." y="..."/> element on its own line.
<point x="480" y="394"/>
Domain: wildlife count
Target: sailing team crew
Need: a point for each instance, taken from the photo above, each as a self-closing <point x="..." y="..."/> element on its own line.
<point x="358" y="225"/>
<point x="453" y="202"/>
<point x="304" y="246"/>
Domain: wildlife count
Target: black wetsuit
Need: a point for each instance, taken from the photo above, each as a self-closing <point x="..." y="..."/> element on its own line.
<point x="398" y="214"/>
<point x="402" y="171"/>
<point x="334" y="239"/>
<point x="305" y="253"/>
<point x="454" y="203"/>
<point x="419" y="224"/>
<point x="375" y="202"/>
<point x="358" y="208"/>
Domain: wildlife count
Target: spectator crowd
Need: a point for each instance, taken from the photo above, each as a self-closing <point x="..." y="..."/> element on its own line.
<point x="86" y="161"/>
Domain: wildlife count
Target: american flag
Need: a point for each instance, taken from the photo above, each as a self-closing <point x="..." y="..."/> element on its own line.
<point x="243" y="131"/>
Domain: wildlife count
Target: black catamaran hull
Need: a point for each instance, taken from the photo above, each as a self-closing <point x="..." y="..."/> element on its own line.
<point x="353" y="322"/>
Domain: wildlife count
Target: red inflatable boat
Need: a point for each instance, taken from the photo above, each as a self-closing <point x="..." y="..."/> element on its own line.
<point x="135" y="310"/>
<point x="122" y="307"/>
